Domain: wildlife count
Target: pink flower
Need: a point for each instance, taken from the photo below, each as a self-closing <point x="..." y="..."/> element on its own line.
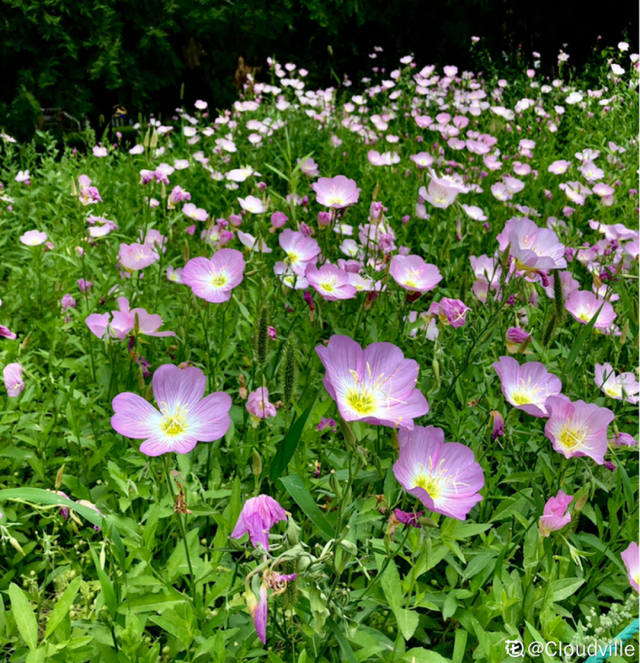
<point x="300" y="250"/>
<point x="422" y="159"/>
<point x="408" y="517"/>
<point x="555" y="515"/>
<point x="631" y="559"/>
<point x="87" y="194"/>
<point x="414" y="274"/>
<point x="385" y="159"/>
<point x="488" y="273"/>
<point x="331" y="282"/>
<point x="252" y="204"/>
<point x="310" y="168"/>
<point x="194" y="213"/>
<point x="442" y="191"/>
<point x="12" y="375"/>
<point x="99" y="151"/>
<point x="453" y="312"/>
<point x="174" y="275"/>
<point x="577" y="428"/>
<point x="474" y="212"/>
<point x="253" y="243"/>
<point x="375" y="385"/>
<point x="621" y="387"/>
<point x="259" y="514"/>
<point x="177" y="195"/>
<point x="84" y="286"/>
<point x="259" y="612"/>
<point x="278" y="219"/>
<point x="534" y="248"/>
<point x="134" y="257"/>
<point x="33" y="238"/>
<point x="515" y="337"/>
<point x="336" y="192"/>
<point x="185" y="417"/>
<point x="559" y="167"/>
<point x="583" y="305"/>
<point x="214" y="279"/>
<point x="568" y="283"/>
<point x="527" y="387"/>
<point x="258" y="404"/>
<point x="444" y="476"/>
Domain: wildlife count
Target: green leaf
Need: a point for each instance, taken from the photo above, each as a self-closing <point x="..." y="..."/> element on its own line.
<point x="565" y="587"/>
<point x="107" y="586"/>
<point x="459" y="645"/>
<point x="392" y="586"/>
<point x="24" y="616"/>
<point x="288" y="444"/>
<point x="302" y="497"/>
<point x="421" y="655"/>
<point x="408" y="621"/>
<point x="62" y="606"/>
<point x="342" y="639"/>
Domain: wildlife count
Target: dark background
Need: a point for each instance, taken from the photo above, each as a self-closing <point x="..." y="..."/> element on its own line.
<point x="85" y="56"/>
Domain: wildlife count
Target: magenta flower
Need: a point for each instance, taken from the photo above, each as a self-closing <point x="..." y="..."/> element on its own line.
<point x="300" y="250"/>
<point x="336" y="192"/>
<point x="577" y="428"/>
<point x="631" y="559"/>
<point x="414" y="274"/>
<point x="12" y="375"/>
<point x="259" y="514"/>
<point x="515" y="337"/>
<point x="555" y="515"/>
<point x="621" y="387"/>
<point x="177" y="195"/>
<point x="134" y="257"/>
<point x="33" y="238"/>
<point x="258" y="404"/>
<point x="214" y="279"/>
<point x="527" y="387"/>
<point x="583" y="305"/>
<point x="444" y="476"/>
<point x="258" y="612"/>
<point x="408" y="517"/>
<point x="185" y="417"/>
<point x="330" y="281"/>
<point x="453" y="312"/>
<point x="534" y="248"/>
<point x="375" y="385"/>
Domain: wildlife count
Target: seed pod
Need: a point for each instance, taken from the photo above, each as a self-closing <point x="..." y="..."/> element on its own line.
<point x="289" y="372"/>
<point x="335" y="484"/>
<point x="435" y="365"/>
<point x="261" y="336"/>
<point x="257" y="464"/>
<point x="559" y="297"/>
<point x="185" y="253"/>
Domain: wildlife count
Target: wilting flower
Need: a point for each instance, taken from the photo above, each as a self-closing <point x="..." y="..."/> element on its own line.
<point x="631" y="559"/>
<point x="408" y="517"/>
<point x="452" y="312"/>
<point x="12" y="375"/>
<point x="259" y="514"/>
<point x="214" y="279"/>
<point x="375" y="385"/>
<point x="621" y="387"/>
<point x="177" y="195"/>
<point x="336" y="192"/>
<point x="87" y="194"/>
<point x="330" y="281"/>
<point x="258" y="404"/>
<point x="186" y="416"/>
<point x="515" y="337"/>
<point x="583" y="305"/>
<point x="444" y="476"/>
<point x="555" y="515"/>
<point x="622" y="440"/>
<point x="414" y="274"/>
<point x="527" y="386"/>
<point x="577" y="428"/>
<point x="497" y="429"/>
<point x="33" y="238"/>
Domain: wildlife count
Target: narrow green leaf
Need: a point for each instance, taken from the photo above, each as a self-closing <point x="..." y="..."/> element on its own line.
<point x="342" y="639"/>
<point x="107" y="586"/>
<point x="62" y="606"/>
<point x="459" y="646"/>
<point x="302" y="497"/>
<point x="288" y="445"/>
<point x="24" y="616"/>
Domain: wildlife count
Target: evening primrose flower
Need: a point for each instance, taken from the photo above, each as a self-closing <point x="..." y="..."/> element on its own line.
<point x="214" y="279"/>
<point x="583" y="305"/>
<point x="185" y="417"/>
<point x="631" y="559"/>
<point x="258" y="404"/>
<point x="33" y="238"/>
<point x="330" y="281"/>
<point x="301" y="251"/>
<point x="528" y="386"/>
<point x="444" y="476"/>
<point x="375" y="385"/>
<point x="452" y="312"/>
<point x="555" y="515"/>
<point x="577" y="428"/>
<point x="12" y="375"/>
<point x="535" y="249"/>
<point x="252" y="204"/>
<point x="621" y="387"/>
<point x="259" y="514"/>
<point x="414" y="274"/>
<point x="336" y="192"/>
<point x="134" y="257"/>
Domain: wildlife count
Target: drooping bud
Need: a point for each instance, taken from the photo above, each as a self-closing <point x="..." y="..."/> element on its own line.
<point x="498" y="425"/>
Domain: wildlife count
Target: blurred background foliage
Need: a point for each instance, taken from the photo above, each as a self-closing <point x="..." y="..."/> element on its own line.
<point x="87" y="56"/>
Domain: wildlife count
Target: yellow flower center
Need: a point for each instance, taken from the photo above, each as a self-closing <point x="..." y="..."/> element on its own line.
<point x="431" y="484"/>
<point x="521" y="397"/>
<point x="173" y="424"/>
<point x="361" y="401"/>
<point x="571" y="437"/>
<point x="219" y="280"/>
<point x="614" y="391"/>
<point x="330" y="284"/>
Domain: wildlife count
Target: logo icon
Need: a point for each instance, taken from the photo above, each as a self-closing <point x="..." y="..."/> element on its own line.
<point x="514" y="648"/>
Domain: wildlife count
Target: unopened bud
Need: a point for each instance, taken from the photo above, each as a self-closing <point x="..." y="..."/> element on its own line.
<point x="25" y="344"/>
<point x="16" y="545"/>
<point x="59" y="477"/>
<point x="435" y="365"/>
<point x="257" y="464"/>
<point x="148" y="394"/>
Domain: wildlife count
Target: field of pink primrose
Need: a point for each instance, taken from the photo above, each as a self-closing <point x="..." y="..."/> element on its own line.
<point x="343" y="374"/>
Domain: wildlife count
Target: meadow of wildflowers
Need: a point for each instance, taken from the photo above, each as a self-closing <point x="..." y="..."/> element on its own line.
<point x="343" y="374"/>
